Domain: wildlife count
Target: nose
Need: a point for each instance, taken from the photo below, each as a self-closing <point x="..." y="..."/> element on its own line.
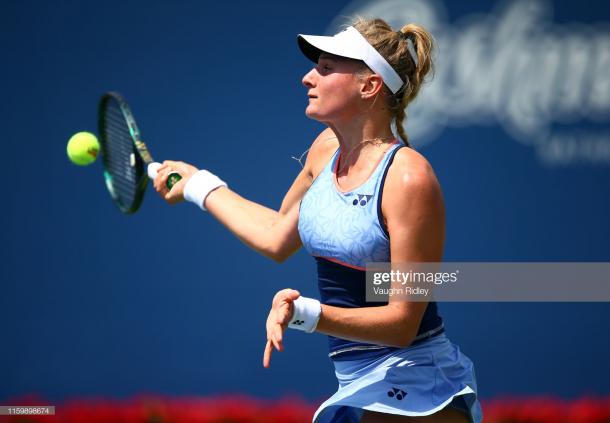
<point x="308" y="79"/>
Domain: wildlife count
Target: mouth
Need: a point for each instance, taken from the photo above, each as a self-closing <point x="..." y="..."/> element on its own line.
<point x="311" y="96"/>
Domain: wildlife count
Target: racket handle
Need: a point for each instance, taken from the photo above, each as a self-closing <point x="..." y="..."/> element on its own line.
<point x="172" y="178"/>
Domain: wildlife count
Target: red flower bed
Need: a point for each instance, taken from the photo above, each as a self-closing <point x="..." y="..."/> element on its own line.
<point x="225" y="409"/>
<point x="242" y="409"/>
<point x="547" y="410"/>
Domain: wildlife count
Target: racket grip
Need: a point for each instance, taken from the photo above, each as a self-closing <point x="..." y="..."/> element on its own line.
<point x="172" y="178"/>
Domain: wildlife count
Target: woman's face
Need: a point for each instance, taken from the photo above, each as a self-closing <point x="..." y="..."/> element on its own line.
<point x="333" y="88"/>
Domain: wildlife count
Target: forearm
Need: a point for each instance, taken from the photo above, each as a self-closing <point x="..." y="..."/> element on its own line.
<point x="253" y="223"/>
<point x="393" y="325"/>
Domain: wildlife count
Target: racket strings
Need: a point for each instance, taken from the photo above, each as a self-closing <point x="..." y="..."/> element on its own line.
<point x="118" y="155"/>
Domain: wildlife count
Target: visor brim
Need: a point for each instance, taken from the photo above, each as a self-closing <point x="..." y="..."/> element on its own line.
<point x="314" y="45"/>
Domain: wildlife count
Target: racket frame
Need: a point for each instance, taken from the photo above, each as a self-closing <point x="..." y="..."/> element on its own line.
<point x="139" y="157"/>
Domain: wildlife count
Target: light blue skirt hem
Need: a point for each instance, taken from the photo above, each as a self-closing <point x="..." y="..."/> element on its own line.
<point x="415" y="381"/>
<point x="382" y="408"/>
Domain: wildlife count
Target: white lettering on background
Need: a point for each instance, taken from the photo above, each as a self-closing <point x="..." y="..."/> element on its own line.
<point x="546" y="84"/>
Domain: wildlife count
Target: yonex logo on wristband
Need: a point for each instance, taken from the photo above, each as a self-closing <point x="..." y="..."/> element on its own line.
<point x="399" y="394"/>
<point x="306" y="314"/>
<point x="362" y="200"/>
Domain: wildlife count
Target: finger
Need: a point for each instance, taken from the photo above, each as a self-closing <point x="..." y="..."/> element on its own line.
<point x="289" y="294"/>
<point x="285" y="294"/>
<point x="278" y="297"/>
<point x="283" y="315"/>
<point x="270" y="320"/>
<point x="159" y="182"/>
<point x="284" y="320"/>
<point x="280" y="317"/>
<point x="175" y="194"/>
<point x="169" y="163"/>
<point x="272" y="335"/>
<point x="278" y="334"/>
<point x="293" y="294"/>
<point x="277" y="344"/>
<point x="267" y="355"/>
<point x="159" y="185"/>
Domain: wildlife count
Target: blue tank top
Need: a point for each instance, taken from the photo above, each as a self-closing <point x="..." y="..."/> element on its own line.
<point x="344" y="231"/>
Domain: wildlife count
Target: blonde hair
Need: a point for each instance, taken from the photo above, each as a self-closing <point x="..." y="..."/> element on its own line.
<point x="394" y="47"/>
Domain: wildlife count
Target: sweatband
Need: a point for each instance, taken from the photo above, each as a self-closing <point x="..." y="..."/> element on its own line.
<point x="306" y="314"/>
<point x="200" y="185"/>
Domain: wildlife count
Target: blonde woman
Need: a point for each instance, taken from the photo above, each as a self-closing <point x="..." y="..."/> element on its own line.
<point x="362" y="196"/>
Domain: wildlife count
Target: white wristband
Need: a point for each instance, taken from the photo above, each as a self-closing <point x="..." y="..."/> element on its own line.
<point x="200" y="185"/>
<point x="306" y="314"/>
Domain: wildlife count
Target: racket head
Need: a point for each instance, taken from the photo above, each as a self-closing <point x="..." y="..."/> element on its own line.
<point x="124" y="155"/>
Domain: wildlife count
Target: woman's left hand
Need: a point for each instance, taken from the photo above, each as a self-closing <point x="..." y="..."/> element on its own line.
<point x="280" y="314"/>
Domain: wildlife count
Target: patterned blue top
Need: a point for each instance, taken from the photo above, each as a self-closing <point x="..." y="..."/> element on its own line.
<point x="344" y="231"/>
<point x="344" y="227"/>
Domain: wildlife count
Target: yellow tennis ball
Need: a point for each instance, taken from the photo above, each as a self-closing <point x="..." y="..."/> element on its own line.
<point x="83" y="148"/>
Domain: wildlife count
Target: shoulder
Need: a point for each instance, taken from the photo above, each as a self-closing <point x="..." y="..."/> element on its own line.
<point x="411" y="171"/>
<point x="411" y="184"/>
<point x="320" y="152"/>
<point x="412" y="208"/>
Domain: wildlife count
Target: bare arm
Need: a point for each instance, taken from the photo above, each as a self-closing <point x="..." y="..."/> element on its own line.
<point x="272" y="233"/>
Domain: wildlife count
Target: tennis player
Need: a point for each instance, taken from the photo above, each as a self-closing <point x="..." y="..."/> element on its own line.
<point x="362" y="196"/>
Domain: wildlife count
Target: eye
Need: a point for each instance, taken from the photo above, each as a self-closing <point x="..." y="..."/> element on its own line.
<point x="324" y="68"/>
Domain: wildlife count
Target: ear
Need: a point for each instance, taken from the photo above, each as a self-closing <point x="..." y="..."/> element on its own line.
<point x="371" y="86"/>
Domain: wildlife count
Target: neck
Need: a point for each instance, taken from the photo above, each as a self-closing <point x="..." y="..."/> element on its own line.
<point x="356" y="140"/>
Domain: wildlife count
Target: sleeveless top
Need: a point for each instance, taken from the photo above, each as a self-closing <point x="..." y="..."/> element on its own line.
<point x="344" y="231"/>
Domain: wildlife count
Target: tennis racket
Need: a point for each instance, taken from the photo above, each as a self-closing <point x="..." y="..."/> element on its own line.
<point x="127" y="163"/>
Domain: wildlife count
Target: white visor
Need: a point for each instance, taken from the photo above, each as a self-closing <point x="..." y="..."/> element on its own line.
<point x="351" y="44"/>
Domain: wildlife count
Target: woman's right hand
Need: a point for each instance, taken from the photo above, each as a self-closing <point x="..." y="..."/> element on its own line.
<point x="176" y="194"/>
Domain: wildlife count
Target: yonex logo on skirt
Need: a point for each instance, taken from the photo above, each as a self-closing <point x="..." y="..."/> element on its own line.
<point x="399" y="394"/>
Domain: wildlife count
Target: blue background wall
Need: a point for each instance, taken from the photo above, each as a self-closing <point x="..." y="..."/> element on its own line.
<point x="166" y="301"/>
